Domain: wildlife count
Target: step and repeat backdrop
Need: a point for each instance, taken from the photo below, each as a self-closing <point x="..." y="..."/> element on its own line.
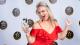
<point x="13" y="13"/>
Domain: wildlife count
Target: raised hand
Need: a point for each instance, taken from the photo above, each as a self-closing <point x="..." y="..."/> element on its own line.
<point x="68" y="22"/>
<point x="25" y="28"/>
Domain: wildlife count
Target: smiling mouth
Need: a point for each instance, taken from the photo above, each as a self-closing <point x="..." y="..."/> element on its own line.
<point x="43" y="16"/>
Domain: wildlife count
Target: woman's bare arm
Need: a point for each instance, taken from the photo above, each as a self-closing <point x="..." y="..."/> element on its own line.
<point x="31" y="39"/>
<point x="63" y="34"/>
<point x="26" y="29"/>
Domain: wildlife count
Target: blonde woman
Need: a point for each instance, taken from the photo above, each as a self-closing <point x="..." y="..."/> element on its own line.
<point x="46" y="30"/>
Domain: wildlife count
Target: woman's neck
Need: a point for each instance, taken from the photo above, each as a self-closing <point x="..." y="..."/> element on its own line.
<point x="46" y="21"/>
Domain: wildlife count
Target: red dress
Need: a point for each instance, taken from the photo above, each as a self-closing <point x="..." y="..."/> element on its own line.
<point x="43" y="37"/>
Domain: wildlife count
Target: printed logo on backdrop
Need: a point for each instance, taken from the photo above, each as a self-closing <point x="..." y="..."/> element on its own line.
<point x="16" y="12"/>
<point x="17" y="35"/>
<point x="29" y="2"/>
<point x="2" y="2"/>
<point x="52" y="1"/>
<point x="70" y="34"/>
<point x="69" y="10"/>
<point x="3" y="25"/>
<point x="79" y="22"/>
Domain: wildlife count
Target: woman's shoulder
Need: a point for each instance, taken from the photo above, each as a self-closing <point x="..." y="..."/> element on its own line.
<point x="55" y="22"/>
<point x="36" y="25"/>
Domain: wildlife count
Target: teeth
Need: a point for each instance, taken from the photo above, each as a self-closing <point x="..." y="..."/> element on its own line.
<point x="43" y="16"/>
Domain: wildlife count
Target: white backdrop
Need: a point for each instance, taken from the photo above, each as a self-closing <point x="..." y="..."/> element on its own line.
<point x="28" y="11"/>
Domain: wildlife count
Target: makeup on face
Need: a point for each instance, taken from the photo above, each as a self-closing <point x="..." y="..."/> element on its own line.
<point x="42" y="11"/>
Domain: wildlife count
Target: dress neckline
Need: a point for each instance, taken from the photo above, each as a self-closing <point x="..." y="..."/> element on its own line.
<point x="46" y="31"/>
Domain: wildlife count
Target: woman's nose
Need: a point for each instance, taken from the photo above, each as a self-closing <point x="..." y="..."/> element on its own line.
<point x="41" y="14"/>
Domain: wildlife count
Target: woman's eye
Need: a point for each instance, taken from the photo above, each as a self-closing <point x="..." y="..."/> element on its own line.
<point x="38" y="12"/>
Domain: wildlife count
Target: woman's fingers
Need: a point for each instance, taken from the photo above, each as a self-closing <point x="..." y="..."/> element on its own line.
<point x="25" y="27"/>
<point x="68" y="22"/>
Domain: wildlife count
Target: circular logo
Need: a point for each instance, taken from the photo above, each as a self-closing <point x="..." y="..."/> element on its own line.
<point x="29" y="1"/>
<point x="52" y="1"/>
<point x="79" y="23"/>
<point x="2" y="2"/>
<point x="17" y="35"/>
<point x="69" y="10"/>
<point x="30" y="22"/>
<point x="3" y="25"/>
<point x="16" y="12"/>
<point x="69" y="34"/>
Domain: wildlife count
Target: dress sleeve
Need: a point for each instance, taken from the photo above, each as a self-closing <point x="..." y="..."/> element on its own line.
<point x="59" y="29"/>
<point x="33" y="32"/>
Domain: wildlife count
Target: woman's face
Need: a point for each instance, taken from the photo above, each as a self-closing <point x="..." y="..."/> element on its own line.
<point x="43" y="13"/>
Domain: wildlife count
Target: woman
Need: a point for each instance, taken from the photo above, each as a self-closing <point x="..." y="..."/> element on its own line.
<point x="46" y="30"/>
